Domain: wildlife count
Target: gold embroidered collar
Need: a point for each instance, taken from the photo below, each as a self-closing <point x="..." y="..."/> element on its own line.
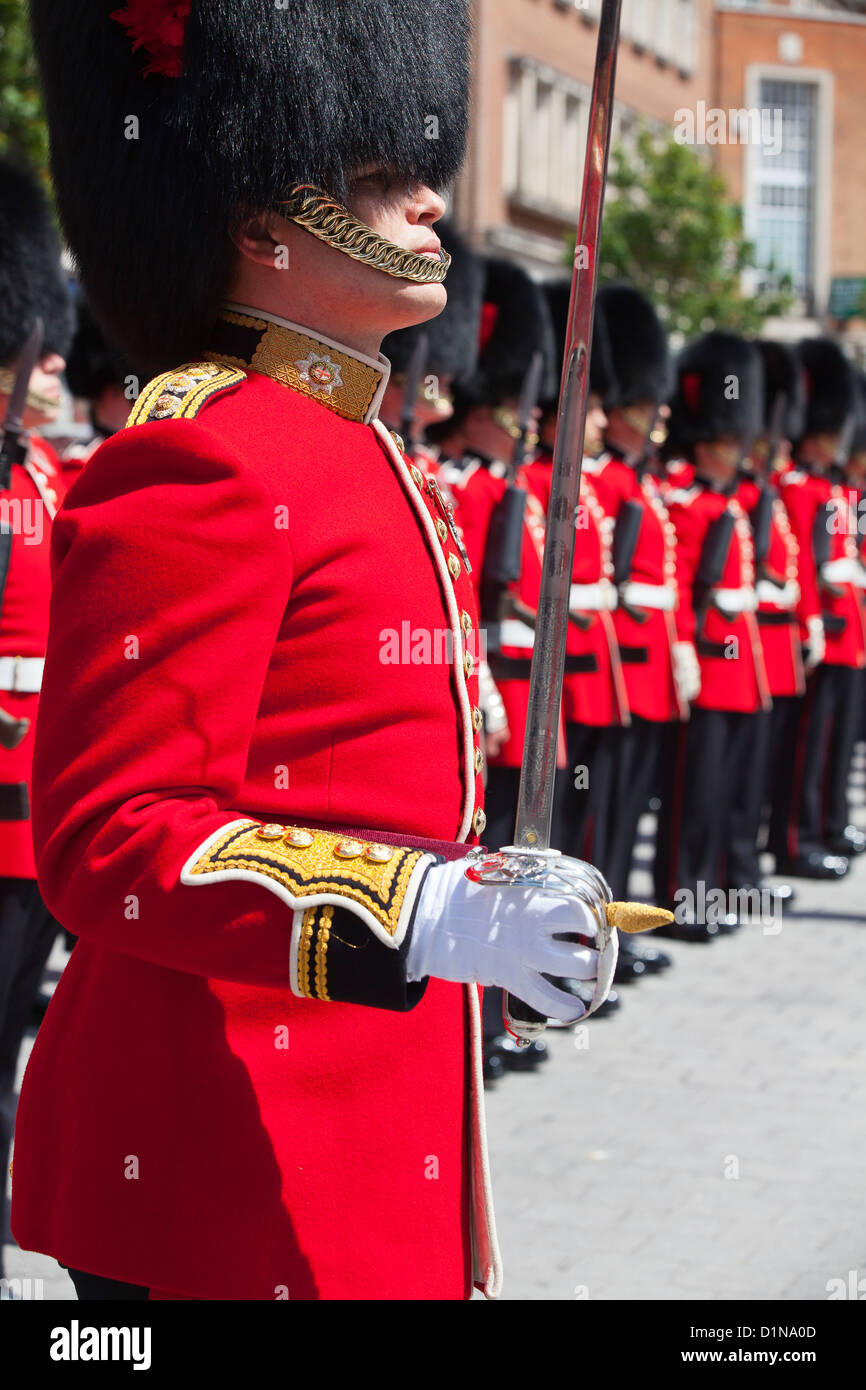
<point x="342" y="380"/>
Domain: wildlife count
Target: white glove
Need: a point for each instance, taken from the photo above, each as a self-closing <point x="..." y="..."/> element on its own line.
<point x="687" y="671"/>
<point x="816" y="645"/>
<point x="506" y="935"/>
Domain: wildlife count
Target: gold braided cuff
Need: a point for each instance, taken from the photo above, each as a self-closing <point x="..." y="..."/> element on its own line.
<point x="317" y="212"/>
<point x="317" y="868"/>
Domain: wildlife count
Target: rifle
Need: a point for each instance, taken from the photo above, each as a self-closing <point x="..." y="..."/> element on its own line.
<point x="14" y="445"/>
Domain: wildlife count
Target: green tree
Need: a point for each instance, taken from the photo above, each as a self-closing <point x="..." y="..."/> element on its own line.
<point x="23" y="130"/>
<point x="670" y="230"/>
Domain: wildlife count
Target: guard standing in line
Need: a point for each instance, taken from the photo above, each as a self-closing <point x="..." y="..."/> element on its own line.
<point x="490" y="499"/>
<point x="644" y="541"/>
<point x="260" y="842"/>
<point x="594" y="697"/>
<point x="716" y="410"/>
<point x="817" y="841"/>
<point x="32" y="291"/>
<point x="783" y="611"/>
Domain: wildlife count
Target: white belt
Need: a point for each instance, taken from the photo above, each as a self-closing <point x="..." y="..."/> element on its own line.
<point x="22" y="673"/>
<point x="735" y="600"/>
<point x="788" y="596"/>
<point x="589" y="597"/>
<point x="663" y="596"/>
<point x="843" y="571"/>
<point x="514" y="633"/>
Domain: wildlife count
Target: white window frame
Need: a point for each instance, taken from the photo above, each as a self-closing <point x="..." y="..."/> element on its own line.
<point x="822" y="201"/>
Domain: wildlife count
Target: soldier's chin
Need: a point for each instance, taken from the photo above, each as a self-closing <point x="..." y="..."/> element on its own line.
<point x="415" y="303"/>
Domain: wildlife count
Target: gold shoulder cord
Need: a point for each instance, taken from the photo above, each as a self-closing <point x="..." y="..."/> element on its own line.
<point x="319" y="213"/>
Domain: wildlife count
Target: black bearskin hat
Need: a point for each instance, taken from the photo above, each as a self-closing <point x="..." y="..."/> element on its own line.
<point x="858" y="440"/>
<point x="829" y="384"/>
<point x="219" y="109"/>
<point x="514" y="325"/>
<point x="640" y="358"/>
<point x="452" y="337"/>
<point x="32" y="284"/>
<point x="783" y="375"/>
<point x="558" y="294"/>
<point x="719" y="391"/>
<point x="92" y="364"/>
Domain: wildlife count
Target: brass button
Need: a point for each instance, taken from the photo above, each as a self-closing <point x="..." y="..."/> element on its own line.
<point x="348" y="849"/>
<point x="441" y="530"/>
<point x="165" y="405"/>
<point x="379" y="854"/>
<point x="468" y="663"/>
<point x="270" y="832"/>
<point x="298" y="839"/>
<point x="477" y="719"/>
<point x="479" y="821"/>
<point x="417" y="477"/>
<point x="479" y="760"/>
<point x="454" y="566"/>
<point x="466" y="622"/>
<point x="398" y="440"/>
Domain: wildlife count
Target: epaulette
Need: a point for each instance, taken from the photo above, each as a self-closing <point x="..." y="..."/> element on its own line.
<point x="180" y="395"/>
<point x="682" y="496"/>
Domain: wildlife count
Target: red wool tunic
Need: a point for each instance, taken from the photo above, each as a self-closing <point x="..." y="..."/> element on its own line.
<point x="647" y="632"/>
<point x="228" y="580"/>
<point x="31" y="501"/>
<point x="732" y="674"/>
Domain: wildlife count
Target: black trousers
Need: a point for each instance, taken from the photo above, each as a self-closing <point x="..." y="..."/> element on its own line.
<point x="703" y="761"/>
<point x="786" y="719"/>
<point x="815" y="758"/>
<point x="27" y="932"/>
<point x="747" y="805"/>
<point x="581" y="821"/>
<point x="635" y="752"/>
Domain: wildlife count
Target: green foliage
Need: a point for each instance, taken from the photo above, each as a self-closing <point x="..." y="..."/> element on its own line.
<point x="23" y="129"/>
<point x="670" y="231"/>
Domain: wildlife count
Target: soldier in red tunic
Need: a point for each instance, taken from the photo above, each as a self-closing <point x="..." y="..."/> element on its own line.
<point x="716" y="409"/>
<point x="644" y="565"/>
<point x="783" y="611"/>
<point x="815" y="824"/>
<point x="258" y="768"/>
<point x="31" y="287"/>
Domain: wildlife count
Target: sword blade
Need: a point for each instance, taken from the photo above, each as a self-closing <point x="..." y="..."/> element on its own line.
<point x="538" y="772"/>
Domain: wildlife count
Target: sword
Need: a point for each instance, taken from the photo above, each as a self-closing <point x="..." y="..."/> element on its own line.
<point x="530" y="859"/>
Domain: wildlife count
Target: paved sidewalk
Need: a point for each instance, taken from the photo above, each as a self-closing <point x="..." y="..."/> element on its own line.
<point x="708" y="1140"/>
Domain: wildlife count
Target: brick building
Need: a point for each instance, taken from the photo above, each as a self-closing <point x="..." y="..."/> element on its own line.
<point x="801" y="178"/>
<point x="803" y="191"/>
<point x="520" y="192"/>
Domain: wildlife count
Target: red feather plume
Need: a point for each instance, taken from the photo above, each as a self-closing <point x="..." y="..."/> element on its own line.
<point x="690" y="385"/>
<point x="159" y="27"/>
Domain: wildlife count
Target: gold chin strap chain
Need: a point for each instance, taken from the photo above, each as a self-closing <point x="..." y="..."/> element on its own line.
<point x="45" y="404"/>
<point x="317" y="212"/>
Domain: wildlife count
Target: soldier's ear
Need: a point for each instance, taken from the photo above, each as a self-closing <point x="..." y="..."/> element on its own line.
<point x="259" y="236"/>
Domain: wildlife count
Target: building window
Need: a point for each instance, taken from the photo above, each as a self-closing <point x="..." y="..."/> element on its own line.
<point x="783" y="182"/>
<point x="544" y="138"/>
